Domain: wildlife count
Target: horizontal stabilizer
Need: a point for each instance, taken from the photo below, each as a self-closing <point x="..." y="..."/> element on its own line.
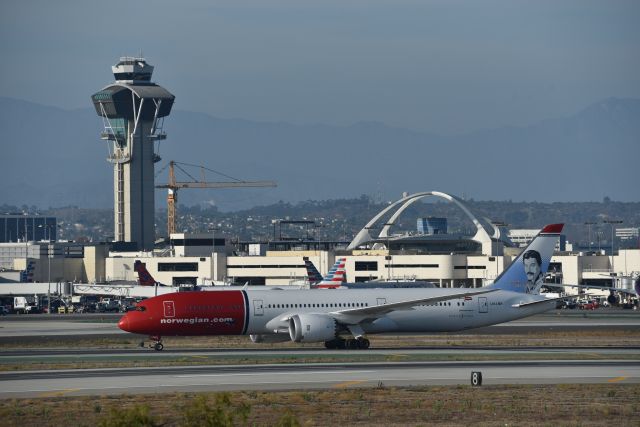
<point x="532" y="303"/>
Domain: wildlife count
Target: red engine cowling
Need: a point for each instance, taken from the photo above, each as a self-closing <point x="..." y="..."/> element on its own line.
<point x="312" y="328"/>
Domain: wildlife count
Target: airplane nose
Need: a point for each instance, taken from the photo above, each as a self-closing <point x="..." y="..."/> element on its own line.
<point x="124" y="323"/>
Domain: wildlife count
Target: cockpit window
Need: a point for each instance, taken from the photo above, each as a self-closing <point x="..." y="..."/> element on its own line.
<point x="141" y="308"/>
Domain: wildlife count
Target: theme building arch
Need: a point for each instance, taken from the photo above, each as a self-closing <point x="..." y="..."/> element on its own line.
<point x="364" y="236"/>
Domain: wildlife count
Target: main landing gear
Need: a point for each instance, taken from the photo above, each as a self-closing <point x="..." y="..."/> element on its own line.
<point x="157" y="343"/>
<point x="350" y="344"/>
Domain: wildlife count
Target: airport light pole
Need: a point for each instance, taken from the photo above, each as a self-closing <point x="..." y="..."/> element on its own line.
<point x="388" y="257"/>
<point x="47" y="226"/>
<point x="213" y="238"/>
<point x="319" y="243"/>
<point x="213" y="252"/>
<point x="612" y="222"/>
<point x="599" y="236"/>
<point x="498" y="224"/>
<point x="589" y="224"/>
<point x="274" y="222"/>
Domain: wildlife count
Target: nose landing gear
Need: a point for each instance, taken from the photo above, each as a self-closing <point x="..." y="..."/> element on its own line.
<point x="157" y="343"/>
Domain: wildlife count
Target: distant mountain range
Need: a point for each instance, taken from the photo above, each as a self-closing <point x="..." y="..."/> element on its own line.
<point x="54" y="157"/>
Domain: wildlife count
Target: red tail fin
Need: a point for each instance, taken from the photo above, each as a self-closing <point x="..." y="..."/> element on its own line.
<point x="144" y="277"/>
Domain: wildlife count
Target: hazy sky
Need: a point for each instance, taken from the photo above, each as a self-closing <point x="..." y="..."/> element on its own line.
<point x="444" y="66"/>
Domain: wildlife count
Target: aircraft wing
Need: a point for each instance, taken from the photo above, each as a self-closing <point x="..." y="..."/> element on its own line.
<point x="357" y="315"/>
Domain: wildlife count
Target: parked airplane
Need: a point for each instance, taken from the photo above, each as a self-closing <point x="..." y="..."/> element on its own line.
<point x="313" y="274"/>
<point x="144" y="277"/>
<point x="337" y="279"/>
<point x="315" y="315"/>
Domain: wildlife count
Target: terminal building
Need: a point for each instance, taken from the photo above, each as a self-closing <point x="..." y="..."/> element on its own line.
<point x="18" y="227"/>
<point x="448" y="260"/>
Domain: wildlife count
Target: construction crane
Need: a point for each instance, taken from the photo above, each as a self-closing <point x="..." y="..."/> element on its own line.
<point x="173" y="186"/>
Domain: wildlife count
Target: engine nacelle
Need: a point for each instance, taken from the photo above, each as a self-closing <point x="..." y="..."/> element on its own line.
<point x="312" y="328"/>
<point x="269" y="338"/>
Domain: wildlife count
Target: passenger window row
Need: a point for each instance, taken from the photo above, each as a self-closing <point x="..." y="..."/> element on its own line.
<point x="318" y="305"/>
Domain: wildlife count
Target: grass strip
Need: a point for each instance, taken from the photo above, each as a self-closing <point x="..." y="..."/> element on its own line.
<point x="528" y="405"/>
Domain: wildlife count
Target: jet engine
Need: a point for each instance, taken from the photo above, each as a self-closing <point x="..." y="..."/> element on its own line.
<point x="269" y="338"/>
<point x="312" y="328"/>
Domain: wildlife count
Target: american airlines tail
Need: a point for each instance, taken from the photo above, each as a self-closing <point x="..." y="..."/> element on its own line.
<point x="335" y="277"/>
<point x="312" y="272"/>
<point x="144" y="277"/>
<point x="526" y="273"/>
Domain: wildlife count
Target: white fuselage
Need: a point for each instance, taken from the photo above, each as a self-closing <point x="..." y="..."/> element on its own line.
<point x="269" y="308"/>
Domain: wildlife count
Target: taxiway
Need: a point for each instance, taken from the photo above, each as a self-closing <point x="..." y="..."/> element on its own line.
<point x="309" y="376"/>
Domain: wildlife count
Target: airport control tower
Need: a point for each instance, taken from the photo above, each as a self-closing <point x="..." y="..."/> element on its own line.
<point x="133" y="110"/>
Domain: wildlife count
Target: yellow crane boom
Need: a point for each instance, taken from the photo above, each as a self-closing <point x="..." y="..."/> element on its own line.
<point x="173" y="186"/>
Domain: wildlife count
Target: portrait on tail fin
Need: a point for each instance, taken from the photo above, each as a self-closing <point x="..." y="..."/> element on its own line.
<point x="532" y="262"/>
<point x="526" y="273"/>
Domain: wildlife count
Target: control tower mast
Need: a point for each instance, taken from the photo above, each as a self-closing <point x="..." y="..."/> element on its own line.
<point x="133" y="110"/>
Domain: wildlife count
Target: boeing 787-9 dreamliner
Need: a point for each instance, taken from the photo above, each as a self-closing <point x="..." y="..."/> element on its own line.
<point x="344" y="317"/>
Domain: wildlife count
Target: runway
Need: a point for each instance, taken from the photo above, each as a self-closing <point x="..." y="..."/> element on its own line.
<point x="383" y="366"/>
<point x="89" y="354"/>
<point x="79" y="325"/>
<point x="309" y="376"/>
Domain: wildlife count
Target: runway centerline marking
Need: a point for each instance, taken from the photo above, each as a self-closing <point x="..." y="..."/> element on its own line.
<point x="272" y="373"/>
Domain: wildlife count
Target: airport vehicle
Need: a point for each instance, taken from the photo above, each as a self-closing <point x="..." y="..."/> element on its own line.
<point x="127" y="304"/>
<point x="25" y="305"/>
<point x="85" y="303"/>
<point x="589" y="305"/>
<point x="64" y="309"/>
<point x="108" y="305"/>
<point x="342" y="318"/>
